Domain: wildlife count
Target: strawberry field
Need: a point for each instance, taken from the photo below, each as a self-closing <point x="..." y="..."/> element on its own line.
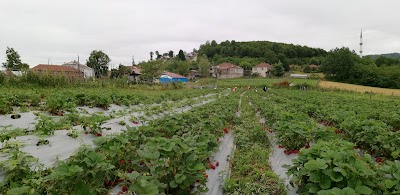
<point x="346" y="143"/>
<point x="198" y="141"/>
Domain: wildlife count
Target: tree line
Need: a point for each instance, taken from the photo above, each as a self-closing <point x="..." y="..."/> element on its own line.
<point x="344" y="65"/>
<point x="248" y="54"/>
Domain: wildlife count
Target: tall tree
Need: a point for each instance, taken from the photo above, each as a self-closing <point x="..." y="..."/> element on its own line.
<point x="204" y="66"/>
<point x="151" y="55"/>
<point x="152" y="69"/>
<point x="181" y="56"/>
<point x="171" y="54"/>
<point x="98" y="60"/>
<point x="14" y="60"/>
<point x="158" y="56"/>
<point x="278" y="70"/>
<point x="340" y="64"/>
<point x="271" y="57"/>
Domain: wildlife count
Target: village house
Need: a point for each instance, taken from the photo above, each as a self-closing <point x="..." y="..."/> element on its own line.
<point x="193" y="75"/>
<point x="314" y="67"/>
<point x="87" y="71"/>
<point x="58" y="70"/>
<point x="262" y="69"/>
<point x="136" y="71"/>
<point x="170" y="77"/>
<point x="226" y="70"/>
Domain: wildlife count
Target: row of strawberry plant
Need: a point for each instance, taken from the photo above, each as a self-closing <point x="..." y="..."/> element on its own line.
<point x="332" y="165"/>
<point x="167" y="157"/>
<point x="357" y="124"/>
<point x="250" y="169"/>
<point x="57" y="101"/>
<point x="293" y="129"/>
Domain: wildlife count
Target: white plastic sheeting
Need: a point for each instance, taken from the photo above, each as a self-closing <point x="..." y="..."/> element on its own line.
<point x="277" y="159"/>
<point x="61" y="146"/>
<point x="216" y="178"/>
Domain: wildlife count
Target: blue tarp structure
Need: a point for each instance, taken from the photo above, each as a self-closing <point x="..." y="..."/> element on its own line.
<point x="169" y="77"/>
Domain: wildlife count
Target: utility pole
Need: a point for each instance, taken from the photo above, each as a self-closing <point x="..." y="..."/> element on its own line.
<point x="79" y="66"/>
<point x="361" y="45"/>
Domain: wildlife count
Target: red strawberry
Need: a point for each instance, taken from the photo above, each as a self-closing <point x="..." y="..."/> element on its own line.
<point x="280" y="146"/>
<point x="124" y="188"/>
<point x="122" y="161"/>
<point x="119" y="180"/>
<point x="378" y="159"/>
<point x="226" y="130"/>
<point x="217" y="163"/>
<point x="135" y="122"/>
<point x="211" y="165"/>
<point x="99" y="135"/>
<point x="295" y="151"/>
<point x="286" y="152"/>
<point x="307" y="146"/>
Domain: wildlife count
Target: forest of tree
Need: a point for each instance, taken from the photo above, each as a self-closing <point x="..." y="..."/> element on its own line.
<point x="344" y="65"/>
<point x="248" y="54"/>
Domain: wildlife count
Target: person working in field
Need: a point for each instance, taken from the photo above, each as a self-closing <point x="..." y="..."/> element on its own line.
<point x="265" y="88"/>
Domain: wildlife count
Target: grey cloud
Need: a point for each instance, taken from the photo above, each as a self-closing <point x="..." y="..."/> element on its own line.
<point x="62" y="29"/>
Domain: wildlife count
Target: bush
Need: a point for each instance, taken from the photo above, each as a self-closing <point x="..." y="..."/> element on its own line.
<point x="334" y="164"/>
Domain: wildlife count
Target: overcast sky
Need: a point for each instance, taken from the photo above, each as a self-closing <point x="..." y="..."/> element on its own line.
<point x="63" y="29"/>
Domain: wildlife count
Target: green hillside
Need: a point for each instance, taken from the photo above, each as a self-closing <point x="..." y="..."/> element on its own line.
<point x="388" y="55"/>
<point x="247" y="54"/>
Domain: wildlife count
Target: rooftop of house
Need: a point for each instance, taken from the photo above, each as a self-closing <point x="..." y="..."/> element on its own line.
<point x="54" y="68"/>
<point x="75" y="63"/>
<point x="313" y="66"/>
<point x="227" y="66"/>
<point x="173" y="75"/>
<point x="263" y="65"/>
<point x="136" y="69"/>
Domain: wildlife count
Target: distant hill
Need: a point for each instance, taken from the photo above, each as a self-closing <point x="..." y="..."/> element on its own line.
<point x="247" y="54"/>
<point x="388" y="55"/>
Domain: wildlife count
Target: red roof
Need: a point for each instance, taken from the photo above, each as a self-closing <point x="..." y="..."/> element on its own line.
<point x="54" y="68"/>
<point x="137" y="69"/>
<point x="173" y="75"/>
<point x="263" y="65"/>
<point x="227" y="66"/>
<point x="313" y="66"/>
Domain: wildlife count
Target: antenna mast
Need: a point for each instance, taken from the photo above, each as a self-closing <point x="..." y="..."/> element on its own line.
<point x="361" y="44"/>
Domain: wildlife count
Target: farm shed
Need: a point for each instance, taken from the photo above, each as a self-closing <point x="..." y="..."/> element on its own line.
<point x="169" y="77"/>
<point x="299" y="76"/>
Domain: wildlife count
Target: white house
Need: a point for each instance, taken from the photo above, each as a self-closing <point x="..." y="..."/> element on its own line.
<point x="262" y="69"/>
<point x="226" y="70"/>
<point x="87" y="71"/>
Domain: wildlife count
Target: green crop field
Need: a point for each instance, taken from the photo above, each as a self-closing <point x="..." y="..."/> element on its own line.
<point x="158" y="140"/>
